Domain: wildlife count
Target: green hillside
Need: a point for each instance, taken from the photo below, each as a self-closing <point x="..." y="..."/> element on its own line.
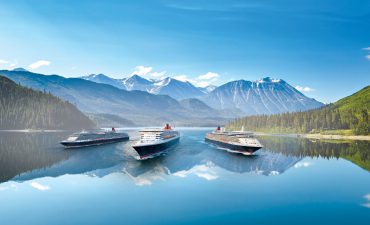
<point x="349" y="113"/>
<point x="24" y="108"/>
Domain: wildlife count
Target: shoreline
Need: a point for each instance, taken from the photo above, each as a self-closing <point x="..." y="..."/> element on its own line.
<point x="319" y="136"/>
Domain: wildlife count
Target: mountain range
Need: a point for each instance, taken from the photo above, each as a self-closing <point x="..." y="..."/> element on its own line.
<point x="140" y="101"/>
<point x="265" y="96"/>
<point x="166" y="86"/>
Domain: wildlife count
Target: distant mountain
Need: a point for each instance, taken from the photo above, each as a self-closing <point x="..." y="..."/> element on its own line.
<point x="24" y="108"/>
<point x="208" y="89"/>
<point x="20" y="69"/>
<point x="266" y="96"/>
<point x="103" y="79"/>
<point x="135" y="82"/>
<point x="351" y="112"/>
<point x="176" y="89"/>
<point x="140" y="107"/>
<point x="167" y="86"/>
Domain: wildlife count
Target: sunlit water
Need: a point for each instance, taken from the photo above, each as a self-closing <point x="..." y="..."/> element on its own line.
<point x="290" y="181"/>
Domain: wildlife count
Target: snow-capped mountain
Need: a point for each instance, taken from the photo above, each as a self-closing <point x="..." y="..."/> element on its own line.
<point x="135" y="82"/>
<point x="265" y="96"/>
<point x="208" y="89"/>
<point x="168" y="86"/>
<point x="103" y="79"/>
<point x="176" y="89"/>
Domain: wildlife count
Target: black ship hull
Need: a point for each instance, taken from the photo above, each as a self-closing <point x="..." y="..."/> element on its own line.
<point x="150" y="150"/>
<point x="92" y="142"/>
<point x="234" y="148"/>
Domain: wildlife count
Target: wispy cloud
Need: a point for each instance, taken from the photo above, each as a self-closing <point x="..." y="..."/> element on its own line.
<point x="302" y="164"/>
<point x="148" y="72"/>
<point x="2" y="61"/>
<point x="39" y="186"/>
<point x="367" y="203"/>
<point x="368" y="50"/>
<point x="203" y="171"/>
<point x="142" y="70"/>
<point x="39" y="64"/>
<point x="304" y="89"/>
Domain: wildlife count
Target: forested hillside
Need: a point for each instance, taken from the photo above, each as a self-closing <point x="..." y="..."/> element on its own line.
<point x="24" y="108"/>
<point x="351" y="112"/>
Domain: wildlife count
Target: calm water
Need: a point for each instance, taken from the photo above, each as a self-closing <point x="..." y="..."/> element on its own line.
<point x="290" y="181"/>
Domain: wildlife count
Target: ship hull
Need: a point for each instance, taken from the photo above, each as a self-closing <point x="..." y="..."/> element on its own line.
<point x="234" y="148"/>
<point x="146" y="151"/>
<point x="92" y="142"/>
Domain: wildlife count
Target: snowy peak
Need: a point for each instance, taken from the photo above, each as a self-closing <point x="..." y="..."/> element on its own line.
<point x="103" y="79"/>
<point x="264" y="96"/>
<point x="176" y="89"/>
<point x="135" y="82"/>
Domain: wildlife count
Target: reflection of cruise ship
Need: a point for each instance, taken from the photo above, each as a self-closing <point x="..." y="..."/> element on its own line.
<point x="155" y="141"/>
<point x="239" y="142"/>
<point x="94" y="138"/>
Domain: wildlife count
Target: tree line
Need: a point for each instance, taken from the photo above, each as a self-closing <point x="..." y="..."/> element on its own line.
<point x="25" y="108"/>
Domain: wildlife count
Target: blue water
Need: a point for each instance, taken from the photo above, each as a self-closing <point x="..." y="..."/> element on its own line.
<point x="290" y="181"/>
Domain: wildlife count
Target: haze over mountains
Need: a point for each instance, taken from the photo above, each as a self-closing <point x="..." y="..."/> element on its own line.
<point x="152" y="102"/>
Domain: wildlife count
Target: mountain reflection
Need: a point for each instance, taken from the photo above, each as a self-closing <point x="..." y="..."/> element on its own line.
<point x="26" y="156"/>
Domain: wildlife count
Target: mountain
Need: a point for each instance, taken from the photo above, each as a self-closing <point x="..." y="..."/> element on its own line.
<point x="167" y="86"/>
<point x="94" y="98"/>
<point x="351" y="112"/>
<point x="266" y="96"/>
<point x="24" y="108"/>
<point x="103" y="79"/>
<point x="176" y="89"/>
<point x="208" y="89"/>
<point x="135" y="82"/>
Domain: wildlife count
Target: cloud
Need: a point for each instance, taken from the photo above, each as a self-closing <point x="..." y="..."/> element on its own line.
<point x="367" y="56"/>
<point x="274" y="173"/>
<point x="367" y="198"/>
<point x="2" y="61"/>
<point x="39" y="186"/>
<point x="158" y="74"/>
<point x="142" y="70"/>
<point x="302" y="164"/>
<point x="182" y="78"/>
<point x="39" y="64"/>
<point x="208" y="76"/>
<point x="202" y="171"/>
<point x="304" y="89"/>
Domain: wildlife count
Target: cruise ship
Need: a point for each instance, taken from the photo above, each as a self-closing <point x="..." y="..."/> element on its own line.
<point x="237" y="142"/>
<point x="154" y="141"/>
<point x="89" y="138"/>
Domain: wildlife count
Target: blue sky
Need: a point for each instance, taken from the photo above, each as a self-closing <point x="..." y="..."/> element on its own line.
<point x="317" y="44"/>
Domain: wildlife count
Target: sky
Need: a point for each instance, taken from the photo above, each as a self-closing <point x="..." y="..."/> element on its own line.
<point x="322" y="47"/>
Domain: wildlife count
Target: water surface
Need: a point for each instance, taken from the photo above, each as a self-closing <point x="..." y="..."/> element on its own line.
<point x="290" y="181"/>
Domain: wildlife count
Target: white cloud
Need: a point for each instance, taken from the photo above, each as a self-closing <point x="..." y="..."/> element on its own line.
<point x="366" y="49"/>
<point x="39" y="64"/>
<point x="142" y="70"/>
<point x="367" y="204"/>
<point x="302" y="164"/>
<point x="207" y="79"/>
<point x="39" y="186"/>
<point x="304" y="89"/>
<point x="202" y="171"/>
<point x="2" y="61"/>
<point x="208" y="76"/>
<point x="183" y="78"/>
<point x="274" y="173"/>
<point x="367" y="57"/>
<point x="158" y="74"/>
